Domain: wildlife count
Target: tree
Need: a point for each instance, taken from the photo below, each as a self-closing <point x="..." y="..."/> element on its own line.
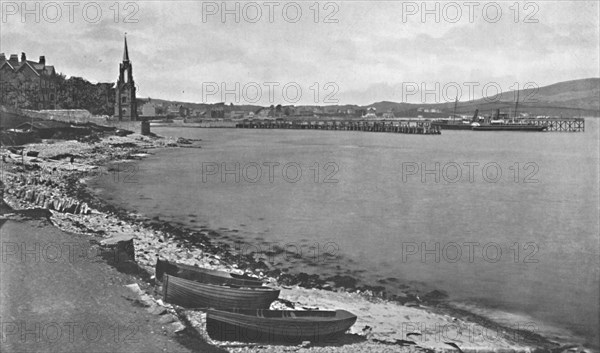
<point x="21" y="91"/>
<point x="78" y="93"/>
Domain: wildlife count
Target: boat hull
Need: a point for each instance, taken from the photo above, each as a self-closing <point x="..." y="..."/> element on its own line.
<point x="277" y="326"/>
<point x="192" y="294"/>
<point x="202" y="275"/>
<point x="445" y="126"/>
<point x="531" y="128"/>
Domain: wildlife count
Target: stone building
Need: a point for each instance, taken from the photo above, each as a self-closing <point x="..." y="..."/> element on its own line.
<point x="125" y="103"/>
<point x="148" y="109"/>
<point x="26" y="83"/>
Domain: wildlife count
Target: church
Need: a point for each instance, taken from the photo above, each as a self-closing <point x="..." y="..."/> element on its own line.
<point x="125" y="102"/>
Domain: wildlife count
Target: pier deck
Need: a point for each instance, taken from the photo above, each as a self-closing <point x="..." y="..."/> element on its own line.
<point x="422" y="127"/>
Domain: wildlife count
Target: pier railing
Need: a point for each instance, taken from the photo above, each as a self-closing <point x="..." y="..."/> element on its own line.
<point x="423" y="127"/>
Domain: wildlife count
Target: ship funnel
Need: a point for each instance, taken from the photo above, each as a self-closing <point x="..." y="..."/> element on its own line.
<point x="476" y="116"/>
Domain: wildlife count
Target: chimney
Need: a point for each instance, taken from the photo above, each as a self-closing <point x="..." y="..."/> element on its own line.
<point x="42" y="60"/>
<point x="2" y="57"/>
<point x="14" y="59"/>
<point x="23" y="57"/>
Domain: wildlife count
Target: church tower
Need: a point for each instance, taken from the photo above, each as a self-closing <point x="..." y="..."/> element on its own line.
<point x="125" y="103"/>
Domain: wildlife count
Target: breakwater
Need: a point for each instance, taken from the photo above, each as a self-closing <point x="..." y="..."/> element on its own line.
<point x="394" y="126"/>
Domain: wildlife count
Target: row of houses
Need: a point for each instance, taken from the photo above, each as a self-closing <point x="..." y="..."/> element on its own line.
<point x="157" y="109"/>
<point x="428" y="110"/>
<point x="150" y="109"/>
<point x="308" y="111"/>
<point x="25" y="79"/>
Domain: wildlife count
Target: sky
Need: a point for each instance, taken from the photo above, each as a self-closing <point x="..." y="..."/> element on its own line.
<point x="312" y="53"/>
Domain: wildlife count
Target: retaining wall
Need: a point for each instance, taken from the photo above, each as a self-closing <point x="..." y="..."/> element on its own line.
<point x="80" y="116"/>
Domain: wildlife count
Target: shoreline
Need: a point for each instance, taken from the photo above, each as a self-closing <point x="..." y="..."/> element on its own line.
<point x="175" y="243"/>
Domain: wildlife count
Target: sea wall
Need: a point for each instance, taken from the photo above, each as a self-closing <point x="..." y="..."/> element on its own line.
<point x="9" y="138"/>
<point x="81" y="116"/>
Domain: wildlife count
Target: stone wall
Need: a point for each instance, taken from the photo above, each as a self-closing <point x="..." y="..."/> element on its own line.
<point x="81" y="116"/>
<point x="8" y="138"/>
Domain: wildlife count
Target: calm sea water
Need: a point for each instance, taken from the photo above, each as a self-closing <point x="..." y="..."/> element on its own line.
<point x="509" y="229"/>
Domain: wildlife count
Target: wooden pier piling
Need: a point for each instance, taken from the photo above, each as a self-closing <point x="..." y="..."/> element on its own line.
<point x="422" y="127"/>
<point x="559" y="124"/>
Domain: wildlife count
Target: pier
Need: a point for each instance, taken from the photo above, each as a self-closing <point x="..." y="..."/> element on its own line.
<point x="559" y="124"/>
<point x="422" y="127"/>
<point x="399" y="126"/>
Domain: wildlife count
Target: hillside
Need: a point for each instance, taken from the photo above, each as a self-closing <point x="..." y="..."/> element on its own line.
<point x="569" y="98"/>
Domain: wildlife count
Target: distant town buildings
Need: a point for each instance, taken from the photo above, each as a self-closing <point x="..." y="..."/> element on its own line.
<point x="125" y="103"/>
<point x="26" y="82"/>
<point x="197" y="112"/>
<point x="371" y="113"/>
<point x="148" y="109"/>
<point x="428" y="110"/>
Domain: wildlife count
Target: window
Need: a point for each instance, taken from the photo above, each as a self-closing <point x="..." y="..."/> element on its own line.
<point x="123" y="99"/>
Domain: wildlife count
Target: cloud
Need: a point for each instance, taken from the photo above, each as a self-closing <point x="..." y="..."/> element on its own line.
<point x="368" y="53"/>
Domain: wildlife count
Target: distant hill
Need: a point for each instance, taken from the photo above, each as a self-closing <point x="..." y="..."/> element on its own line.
<point x="569" y="98"/>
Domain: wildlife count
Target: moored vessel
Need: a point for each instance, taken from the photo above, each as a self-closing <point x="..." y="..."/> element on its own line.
<point x="192" y="294"/>
<point x="277" y="325"/>
<point x="457" y="124"/>
<point x="509" y="127"/>
<point x="203" y="275"/>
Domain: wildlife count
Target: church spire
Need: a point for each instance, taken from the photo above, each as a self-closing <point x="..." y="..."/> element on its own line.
<point x="125" y="101"/>
<point x="125" y="52"/>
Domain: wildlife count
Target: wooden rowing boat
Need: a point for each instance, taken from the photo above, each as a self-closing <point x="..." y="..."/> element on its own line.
<point x="277" y="325"/>
<point x="202" y="275"/>
<point x="192" y="294"/>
